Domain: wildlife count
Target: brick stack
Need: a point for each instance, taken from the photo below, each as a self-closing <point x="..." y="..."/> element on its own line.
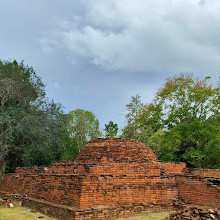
<point x="199" y="190"/>
<point x="195" y="213"/>
<point x="202" y="172"/>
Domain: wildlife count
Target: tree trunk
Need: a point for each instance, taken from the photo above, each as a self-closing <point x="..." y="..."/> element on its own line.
<point x="2" y="168"/>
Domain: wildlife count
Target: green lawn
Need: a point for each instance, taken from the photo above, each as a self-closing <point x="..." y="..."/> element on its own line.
<point x="149" y="216"/>
<point x="23" y="213"/>
<point x="20" y="213"/>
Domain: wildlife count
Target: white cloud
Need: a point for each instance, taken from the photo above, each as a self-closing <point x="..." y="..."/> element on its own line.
<point x="140" y="35"/>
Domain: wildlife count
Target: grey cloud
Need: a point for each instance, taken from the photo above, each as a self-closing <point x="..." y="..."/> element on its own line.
<point x="95" y="54"/>
<point x="142" y="35"/>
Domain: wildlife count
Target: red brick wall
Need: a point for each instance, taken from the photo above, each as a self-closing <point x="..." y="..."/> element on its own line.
<point x="116" y="150"/>
<point x="26" y="169"/>
<point x="105" y="184"/>
<point x="66" y="212"/>
<point x="123" y="190"/>
<point x="203" y="172"/>
<point x="112" y="172"/>
<point x="63" y="189"/>
<point x="194" y="189"/>
<point x="106" y="172"/>
<point x="173" y="168"/>
<point x="111" y="183"/>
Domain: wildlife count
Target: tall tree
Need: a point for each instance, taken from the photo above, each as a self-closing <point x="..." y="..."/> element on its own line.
<point x="29" y="123"/>
<point x="132" y="128"/>
<point x="111" y="129"/>
<point x="133" y="109"/>
<point x="82" y="126"/>
<point x="183" y="122"/>
<point x="186" y="108"/>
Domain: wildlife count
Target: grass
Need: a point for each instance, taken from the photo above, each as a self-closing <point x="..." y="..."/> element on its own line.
<point x="23" y="213"/>
<point x="150" y="216"/>
<point x="20" y="213"/>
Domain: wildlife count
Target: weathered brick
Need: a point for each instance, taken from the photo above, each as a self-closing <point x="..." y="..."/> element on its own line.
<point x="113" y="176"/>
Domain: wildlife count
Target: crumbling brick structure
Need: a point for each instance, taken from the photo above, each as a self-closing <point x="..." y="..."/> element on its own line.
<point x="111" y="177"/>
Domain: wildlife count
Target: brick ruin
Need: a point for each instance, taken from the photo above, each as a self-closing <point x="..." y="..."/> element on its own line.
<point x="111" y="177"/>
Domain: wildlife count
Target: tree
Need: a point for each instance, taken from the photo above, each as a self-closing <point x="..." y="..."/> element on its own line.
<point x="195" y="140"/>
<point x="186" y="109"/>
<point x="155" y="141"/>
<point x="133" y="109"/>
<point x="111" y="129"/>
<point x="182" y="123"/>
<point x="132" y="129"/>
<point x="82" y="126"/>
<point x="30" y="125"/>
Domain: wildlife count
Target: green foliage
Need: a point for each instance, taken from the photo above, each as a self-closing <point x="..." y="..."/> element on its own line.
<point x="196" y="138"/>
<point x="111" y="129"/>
<point x="184" y="119"/>
<point x="133" y="108"/>
<point x="82" y="126"/>
<point x="212" y="153"/>
<point x="133" y="130"/>
<point x="30" y="126"/>
<point x="155" y="141"/>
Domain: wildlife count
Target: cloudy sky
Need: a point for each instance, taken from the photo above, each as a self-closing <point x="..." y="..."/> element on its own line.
<point x="96" y="54"/>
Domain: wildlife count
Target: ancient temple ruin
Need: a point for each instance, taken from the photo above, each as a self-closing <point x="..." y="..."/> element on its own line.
<point x="111" y="177"/>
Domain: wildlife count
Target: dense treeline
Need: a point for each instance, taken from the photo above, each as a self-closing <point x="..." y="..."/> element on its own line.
<point x="31" y="127"/>
<point x="181" y="124"/>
